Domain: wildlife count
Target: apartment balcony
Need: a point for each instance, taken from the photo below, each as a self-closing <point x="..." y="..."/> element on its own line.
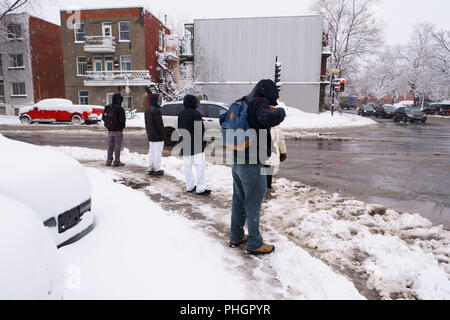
<point x="100" y="44"/>
<point x="132" y="78"/>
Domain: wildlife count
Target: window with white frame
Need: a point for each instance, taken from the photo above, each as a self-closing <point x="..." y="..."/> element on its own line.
<point x="16" y="61"/>
<point x="107" y="29"/>
<point x="124" y="31"/>
<point x="14" y="32"/>
<point x="81" y="66"/>
<point x="125" y="63"/>
<point x="83" y="97"/>
<point x="161" y="40"/>
<point x="18" y="89"/>
<point x="79" y="32"/>
<point x="127" y="102"/>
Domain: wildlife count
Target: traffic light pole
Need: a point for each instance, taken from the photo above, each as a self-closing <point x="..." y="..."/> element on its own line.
<point x="332" y="94"/>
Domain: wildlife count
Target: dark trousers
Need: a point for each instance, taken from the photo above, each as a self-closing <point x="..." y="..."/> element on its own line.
<point x="115" y="139"/>
<point x="269" y="181"/>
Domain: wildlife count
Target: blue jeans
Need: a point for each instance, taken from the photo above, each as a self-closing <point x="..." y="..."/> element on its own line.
<point x="249" y="189"/>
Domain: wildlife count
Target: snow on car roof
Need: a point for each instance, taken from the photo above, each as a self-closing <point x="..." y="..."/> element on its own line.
<point x="54" y="103"/>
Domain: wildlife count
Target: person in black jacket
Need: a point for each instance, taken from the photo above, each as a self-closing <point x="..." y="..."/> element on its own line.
<point x="115" y="121"/>
<point x="249" y="179"/>
<point x="192" y="131"/>
<point x="156" y="133"/>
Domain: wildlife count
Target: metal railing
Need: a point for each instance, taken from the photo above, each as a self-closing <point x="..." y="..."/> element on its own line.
<point x="123" y="75"/>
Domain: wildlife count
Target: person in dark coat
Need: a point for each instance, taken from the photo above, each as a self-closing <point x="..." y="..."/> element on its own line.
<point x="249" y="180"/>
<point x="192" y="131"/>
<point x="156" y="133"/>
<point x="115" y="121"/>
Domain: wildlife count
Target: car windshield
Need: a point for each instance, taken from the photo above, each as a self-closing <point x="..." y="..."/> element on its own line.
<point x="369" y="108"/>
<point x="412" y="109"/>
<point x="389" y="108"/>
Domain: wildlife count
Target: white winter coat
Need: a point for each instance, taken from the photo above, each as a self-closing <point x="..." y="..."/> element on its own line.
<point x="278" y="147"/>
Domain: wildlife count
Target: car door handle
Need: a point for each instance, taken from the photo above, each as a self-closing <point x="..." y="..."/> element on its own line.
<point x="210" y="120"/>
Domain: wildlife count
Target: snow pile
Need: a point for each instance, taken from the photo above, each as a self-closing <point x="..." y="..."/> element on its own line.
<point x="49" y="182"/>
<point x="139" y="251"/>
<point x="390" y="254"/>
<point x="9" y="120"/>
<point x="394" y="253"/>
<point x="137" y="122"/>
<point x="30" y="267"/>
<point x="297" y="119"/>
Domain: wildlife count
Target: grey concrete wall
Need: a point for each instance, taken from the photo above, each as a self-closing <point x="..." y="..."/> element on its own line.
<point x="231" y="55"/>
<point x="304" y="97"/>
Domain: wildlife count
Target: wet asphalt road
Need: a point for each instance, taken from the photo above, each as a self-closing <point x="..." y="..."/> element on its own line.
<point x="408" y="170"/>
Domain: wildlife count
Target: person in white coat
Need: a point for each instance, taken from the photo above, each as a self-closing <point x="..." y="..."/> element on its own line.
<point x="278" y="154"/>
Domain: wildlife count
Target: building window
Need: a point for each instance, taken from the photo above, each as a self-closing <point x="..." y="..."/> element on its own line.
<point x="127" y="103"/>
<point x="124" y="31"/>
<point x="83" y="97"/>
<point x="18" y="90"/>
<point x="14" y="32"/>
<point x="107" y="29"/>
<point x="2" y="93"/>
<point x="16" y="61"/>
<point x="109" y="97"/>
<point x="161" y="40"/>
<point x="79" y="32"/>
<point x="125" y="63"/>
<point x="81" y="66"/>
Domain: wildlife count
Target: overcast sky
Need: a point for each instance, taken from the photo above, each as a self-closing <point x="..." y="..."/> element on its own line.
<point x="398" y="15"/>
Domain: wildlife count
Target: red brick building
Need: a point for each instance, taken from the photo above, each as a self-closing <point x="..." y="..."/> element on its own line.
<point x="31" y="63"/>
<point x="111" y="51"/>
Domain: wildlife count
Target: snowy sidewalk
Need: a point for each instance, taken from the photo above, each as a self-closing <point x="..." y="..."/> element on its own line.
<point x="386" y="254"/>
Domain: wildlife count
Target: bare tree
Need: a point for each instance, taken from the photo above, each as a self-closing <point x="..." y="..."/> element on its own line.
<point x="10" y="6"/>
<point x="354" y="31"/>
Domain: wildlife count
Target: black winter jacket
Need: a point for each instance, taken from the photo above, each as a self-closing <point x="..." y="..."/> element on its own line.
<point x="187" y="120"/>
<point x="261" y="117"/>
<point x="154" y="124"/>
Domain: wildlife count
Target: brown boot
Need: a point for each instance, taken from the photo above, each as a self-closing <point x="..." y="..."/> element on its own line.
<point x="265" y="249"/>
<point x="239" y="243"/>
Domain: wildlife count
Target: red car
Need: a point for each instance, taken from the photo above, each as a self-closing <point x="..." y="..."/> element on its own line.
<point x="60" y="110"/>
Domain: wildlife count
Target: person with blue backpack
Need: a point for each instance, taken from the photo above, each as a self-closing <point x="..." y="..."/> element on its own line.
<point x="246" y="132"/>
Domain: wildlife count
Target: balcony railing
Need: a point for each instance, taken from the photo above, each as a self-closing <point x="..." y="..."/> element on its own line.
<point x="118" y="78"/>
<point x="100" y="44"/>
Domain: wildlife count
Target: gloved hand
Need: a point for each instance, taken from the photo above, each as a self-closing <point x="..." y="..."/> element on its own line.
<point x="283" y="157"/>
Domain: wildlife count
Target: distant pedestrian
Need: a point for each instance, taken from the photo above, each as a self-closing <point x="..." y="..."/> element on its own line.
<point x="156" y="134"/>
<point x="278" y="154"/>
<point x="115" y="121"/>
<point x="190" y="123"/>
<point x="249" y="181"/>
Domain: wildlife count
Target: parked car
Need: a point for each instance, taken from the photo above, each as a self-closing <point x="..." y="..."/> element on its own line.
<point x="385" y="111"/>
<point x="366" y="110"/>
<point x="441" y="108"/>
<point x="30" y="267"/>
<point x="410" y="114"/>
<point x="52" y="184"/>
<point x="60" y="110"/>
<point x="210" y="111"/>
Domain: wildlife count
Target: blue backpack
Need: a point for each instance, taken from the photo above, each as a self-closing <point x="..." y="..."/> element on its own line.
<point x="235" y="127"/>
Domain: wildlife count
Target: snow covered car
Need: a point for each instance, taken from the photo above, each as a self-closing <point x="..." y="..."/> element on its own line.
<point x="210" y="111"/>
<point x="52" y="184"/>
<point x="406" y="103"/>
<point x="30" y="267"/>
<point x="60" y="110"/>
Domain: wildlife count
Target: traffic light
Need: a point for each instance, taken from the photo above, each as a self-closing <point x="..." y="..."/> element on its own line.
<point x="337" y="86"/>
<point x="342" y="85"/>
<point x="278" y="74"/>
